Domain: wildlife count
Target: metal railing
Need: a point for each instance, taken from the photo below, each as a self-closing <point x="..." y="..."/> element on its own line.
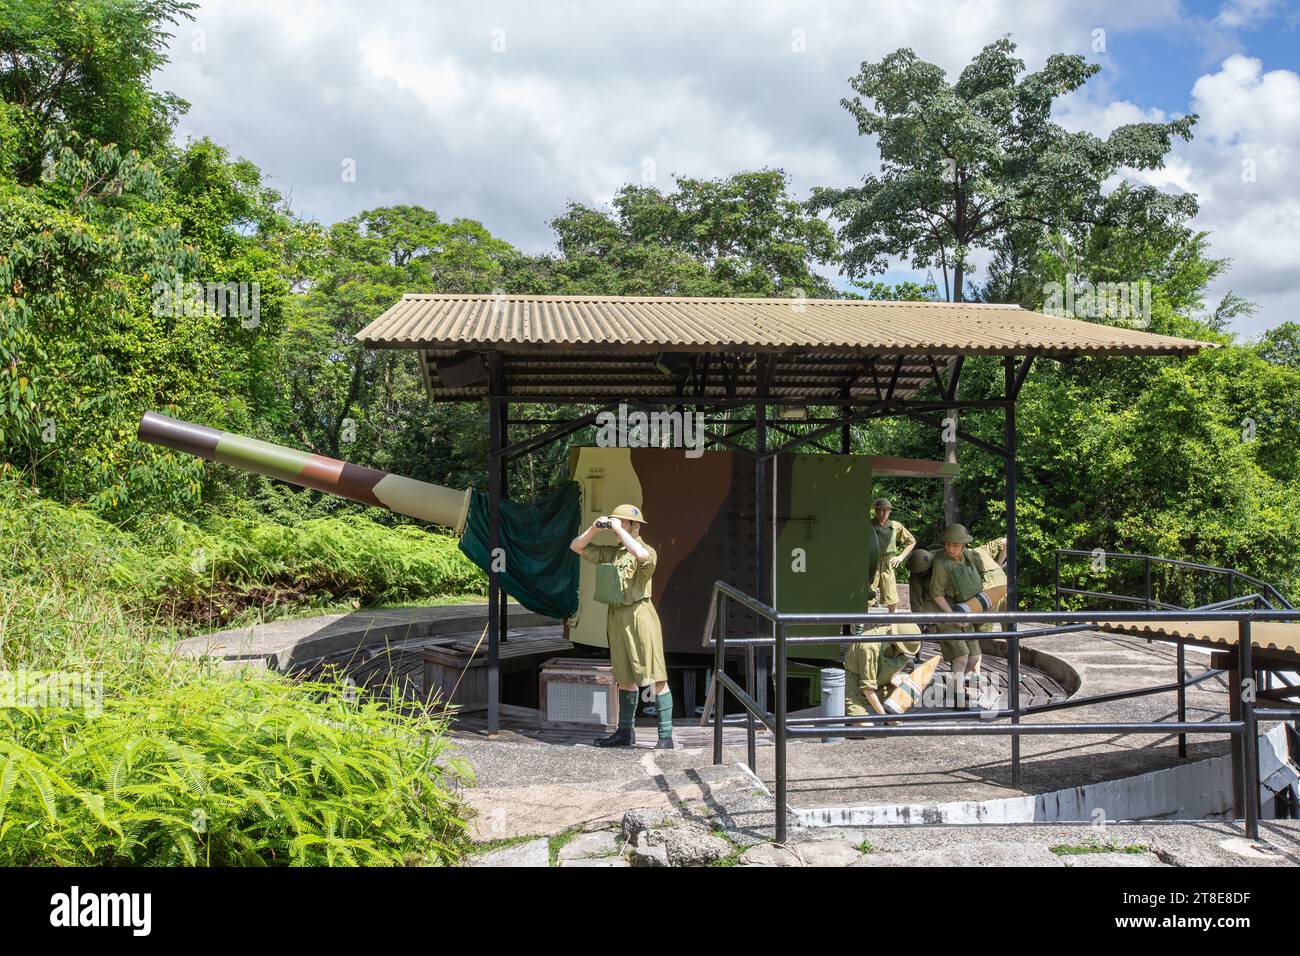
<point x="784" y="728"/>
<point x="1268" y="595"/>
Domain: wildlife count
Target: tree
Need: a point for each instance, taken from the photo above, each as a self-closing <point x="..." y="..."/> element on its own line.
<point x="1281" y="345"/>
<point x="370" y="406"/>
<point x="83" y="66"/>
<point x="739" y="235"/>
<point x="976" y="164"/>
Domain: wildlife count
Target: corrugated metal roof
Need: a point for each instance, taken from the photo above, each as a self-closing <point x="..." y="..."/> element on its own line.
<point x="619" y="323"/>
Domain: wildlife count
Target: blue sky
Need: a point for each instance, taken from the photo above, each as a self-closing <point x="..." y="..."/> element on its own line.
<point x="503" y="111"/>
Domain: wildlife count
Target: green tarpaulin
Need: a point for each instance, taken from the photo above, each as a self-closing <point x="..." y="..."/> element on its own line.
<point x="540" y="571"/>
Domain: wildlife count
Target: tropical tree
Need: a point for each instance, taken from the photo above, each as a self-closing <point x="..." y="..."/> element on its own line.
<point x="978" y="164"/>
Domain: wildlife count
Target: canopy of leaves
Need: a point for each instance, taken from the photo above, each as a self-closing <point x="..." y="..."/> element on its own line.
<point x="964" y="164"/>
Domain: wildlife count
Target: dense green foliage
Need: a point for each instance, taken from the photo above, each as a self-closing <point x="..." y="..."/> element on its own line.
<point x="203" y="769"/>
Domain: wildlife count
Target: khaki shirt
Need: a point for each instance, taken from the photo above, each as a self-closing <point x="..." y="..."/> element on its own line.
<point x="871" y="666"/>
<point x="961" y="579"/>
<point x="893" y="537"/>
<point x="991" y="573"/>
<point x="994" y="550"/>
<point x="633" y="575"/>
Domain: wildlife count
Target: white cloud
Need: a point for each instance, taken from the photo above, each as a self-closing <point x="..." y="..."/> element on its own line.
<point x="584" y="93"/>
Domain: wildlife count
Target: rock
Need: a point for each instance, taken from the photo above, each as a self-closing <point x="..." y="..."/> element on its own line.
<point x="768" y="854"/>
<point x="828" y="853"/>
<point x="1113" y="859"/>
<point x="597" y="861"/>
<point x="587" y="845"/>
<point x="551" y="809"/>
<point x="637" y="821"/>
<point x="533" y="853"/>
<point x="689" y="846"/>
<point x="647" y="855"/>
<point x="967" y="855"/>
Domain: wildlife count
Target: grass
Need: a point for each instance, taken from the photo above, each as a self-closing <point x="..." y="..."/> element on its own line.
<point x="737" y="851"/>
<point x="223" y="570"/>
<point x="183" y="762"/>
<point x="560" y="841"/>
<point x="865" y="847"/>
<point x="1093" y="846"/>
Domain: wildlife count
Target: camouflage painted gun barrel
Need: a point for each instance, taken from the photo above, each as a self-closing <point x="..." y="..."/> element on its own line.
<point x="401" y="495"/>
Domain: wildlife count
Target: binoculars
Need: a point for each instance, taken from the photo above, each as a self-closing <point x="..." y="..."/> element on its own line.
<point x="604" y="523"/>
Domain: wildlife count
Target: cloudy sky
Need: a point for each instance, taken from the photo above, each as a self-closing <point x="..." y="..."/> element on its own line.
<point x="503" y="111"/>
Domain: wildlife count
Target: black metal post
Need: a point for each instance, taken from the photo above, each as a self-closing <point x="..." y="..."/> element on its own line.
<point x="781" y="799"/>
<point x="1182" y="696"/>
<point x="494" y="576"/>
<point x="1250" y="755"/>
<point x="1146" y="581"/>
<point x="1058" y="580"/>
<point x="503" y="482"/>
<point x="762" y="591"/>
<point x="1013" y="590"/>
<point x="751" y="741"/>
<point x="719" y="689"/>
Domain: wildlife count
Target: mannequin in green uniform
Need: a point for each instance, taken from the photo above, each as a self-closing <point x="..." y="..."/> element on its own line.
<point x="872" y="671"/>
<point x="636" y="643"/>
<point x="957" y="574"/>
<point x="892" y="537"/>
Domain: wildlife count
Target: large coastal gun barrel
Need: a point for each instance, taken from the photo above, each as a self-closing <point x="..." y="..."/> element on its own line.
<point x="404" y="496"/>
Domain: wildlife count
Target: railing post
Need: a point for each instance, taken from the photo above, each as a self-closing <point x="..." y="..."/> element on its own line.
<point x="1182" y="695"/>
<point x="781" y="807"/>
<point x="1058" y="580"/>
<point x="751" y="743"/>
<point x="1250" y="756"/>
<point x="1146" y="580"/>
<point x="1013" y="558"/>
<point x="719" y="660"/>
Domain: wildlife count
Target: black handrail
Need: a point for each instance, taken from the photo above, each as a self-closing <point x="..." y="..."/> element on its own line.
<point x="781" y="726"/>
<point x="1267" y="591"/>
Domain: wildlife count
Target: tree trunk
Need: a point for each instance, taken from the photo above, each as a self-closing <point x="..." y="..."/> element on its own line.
<point x="951" y="511"/>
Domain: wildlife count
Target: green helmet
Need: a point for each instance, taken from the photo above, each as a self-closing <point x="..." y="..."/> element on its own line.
<point x="919" y="561"/>
<point x="883" y="503"/>
<point x="956" y="533"/>
<point x="628" y="513"/>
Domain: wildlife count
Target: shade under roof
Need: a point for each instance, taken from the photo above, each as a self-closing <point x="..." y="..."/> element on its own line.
<point x="603" y="346"/>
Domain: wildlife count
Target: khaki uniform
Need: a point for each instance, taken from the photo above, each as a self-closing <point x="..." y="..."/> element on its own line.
<point x="873" y="666"/>
<point x="957" y="581"/>
<point x="994" y="550"/>
<point x="993" y="573"/>
<point x="893" y="538"/>
<point x="636" y="641"/>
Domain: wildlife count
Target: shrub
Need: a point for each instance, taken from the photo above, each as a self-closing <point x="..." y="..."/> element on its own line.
<point x="221" y="770"/>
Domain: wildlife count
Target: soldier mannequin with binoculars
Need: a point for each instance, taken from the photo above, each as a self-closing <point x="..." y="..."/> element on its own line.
<point x="636" y="644"/>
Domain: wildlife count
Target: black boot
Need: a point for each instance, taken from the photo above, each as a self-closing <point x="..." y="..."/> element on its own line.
<point x="665" y="743"/>
<point x="619" y="738"/>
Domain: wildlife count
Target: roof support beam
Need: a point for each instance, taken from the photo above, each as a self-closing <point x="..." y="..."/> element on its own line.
<point x="1023" y="371"/>
<point x="964" y="436"/>
<point x="954" y="378"/>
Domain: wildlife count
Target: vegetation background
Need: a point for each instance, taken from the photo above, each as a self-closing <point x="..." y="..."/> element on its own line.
<point x="113" y="549"/>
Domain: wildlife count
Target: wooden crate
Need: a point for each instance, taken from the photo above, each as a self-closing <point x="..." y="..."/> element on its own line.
<point x="578" y="694"/>
<point x="460" y="663"/>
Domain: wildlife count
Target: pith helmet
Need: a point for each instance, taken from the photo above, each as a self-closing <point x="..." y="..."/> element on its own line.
<point x="919" y="561"/>
<point x="883" y="503"/>
<point x="957" y="533"/>
<point x="628" y="513"/>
